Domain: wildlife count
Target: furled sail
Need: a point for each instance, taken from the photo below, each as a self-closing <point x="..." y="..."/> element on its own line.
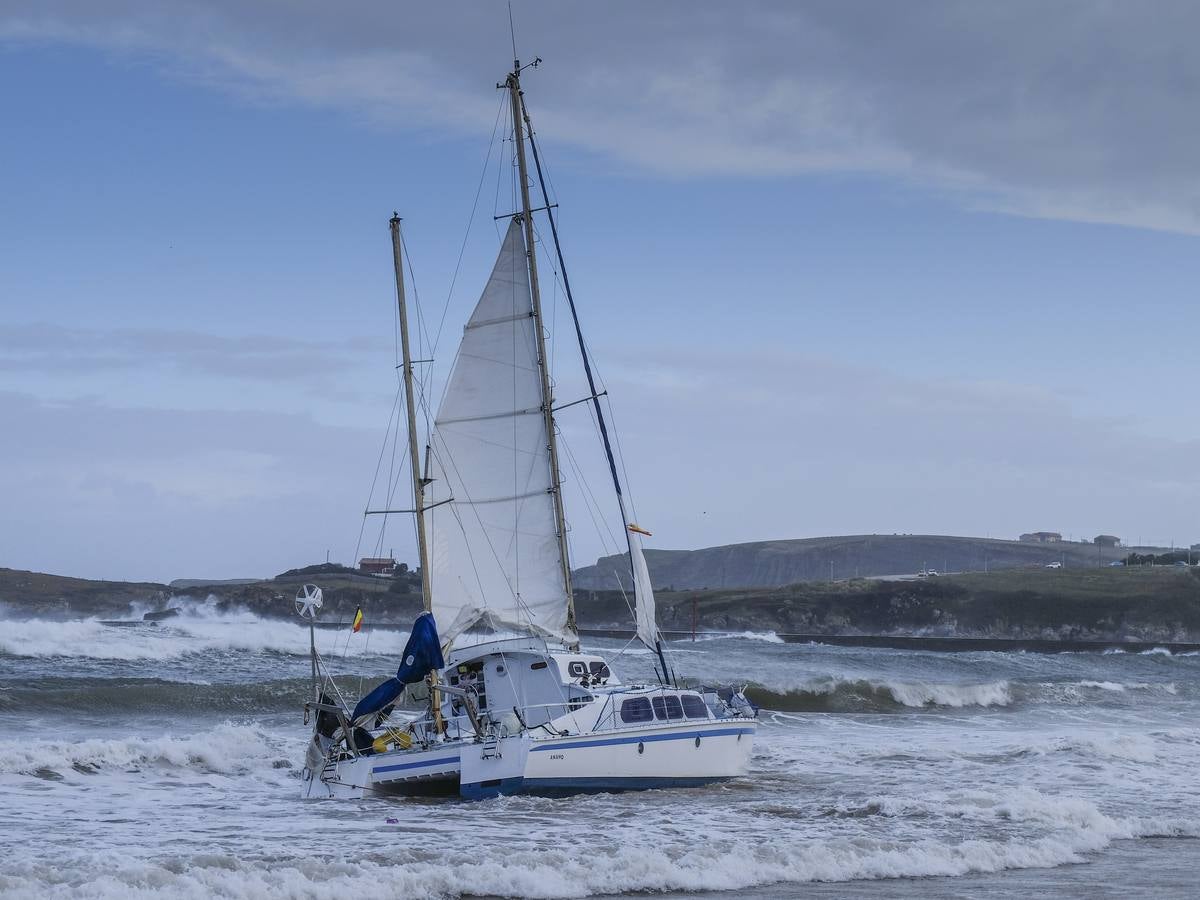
<point x="643" y="592"/>
<point x="494" y="550"/>
<point x="422" y="655"/>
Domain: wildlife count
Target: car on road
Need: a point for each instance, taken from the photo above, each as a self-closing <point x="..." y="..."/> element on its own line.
<point x="1054" y="565"/>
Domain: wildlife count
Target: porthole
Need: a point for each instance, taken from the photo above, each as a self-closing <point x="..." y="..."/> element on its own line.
<point x="641" y="747"/>
<point x="697" y="740"/>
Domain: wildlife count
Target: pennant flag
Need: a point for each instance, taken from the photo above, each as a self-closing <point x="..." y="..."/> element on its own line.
<point x="357" y="620"/>
<point x="638" y="530"/>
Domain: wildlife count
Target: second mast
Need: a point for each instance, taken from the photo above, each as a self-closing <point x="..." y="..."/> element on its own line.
<point x="418" y="483"/>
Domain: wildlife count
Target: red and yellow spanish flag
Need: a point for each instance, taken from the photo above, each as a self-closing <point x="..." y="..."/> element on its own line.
<point x="357" y="624"/>
<point x="638" y="529"/>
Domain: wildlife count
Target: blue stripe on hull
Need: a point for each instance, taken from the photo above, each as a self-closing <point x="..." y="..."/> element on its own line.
<point x="416" y="765"/>
<point x="645" y="738"/>
<point x="562" y="786"/>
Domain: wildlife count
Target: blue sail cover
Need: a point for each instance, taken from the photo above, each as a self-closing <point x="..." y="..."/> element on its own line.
<point x="422" y="655"/>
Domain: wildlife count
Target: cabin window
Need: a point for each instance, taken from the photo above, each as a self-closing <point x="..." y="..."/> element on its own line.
<point x="693" y="707"/>
<point x="667" y="707"/>
<point x="599" y="670"/>
<point x="636" y="709"/>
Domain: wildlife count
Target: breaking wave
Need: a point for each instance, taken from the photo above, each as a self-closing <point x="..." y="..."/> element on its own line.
<point x="872" y="694"/>
<point x="198" y="630"/>
<point x="227" y="749"/>
<point x="769" y="637"/>
<point x="835" y="694"/>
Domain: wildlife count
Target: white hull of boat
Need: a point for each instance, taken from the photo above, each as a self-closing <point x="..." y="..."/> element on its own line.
<point x="683" y="755"/>
<point x="397" y="771"/>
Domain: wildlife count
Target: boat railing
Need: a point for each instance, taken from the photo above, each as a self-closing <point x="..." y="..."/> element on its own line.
<point x="343" y="722"/>
<point x="606" y="720"/>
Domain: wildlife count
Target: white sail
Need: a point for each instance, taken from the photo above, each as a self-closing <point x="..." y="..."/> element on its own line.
<point x="494" y="550"/>
<point x="643" y="592"/>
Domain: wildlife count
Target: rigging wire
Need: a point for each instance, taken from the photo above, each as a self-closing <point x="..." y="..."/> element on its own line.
<point x="587" y="367"/>
<point x="378" y="465"/>
<point x="391" y="435"/>
<point x="470" y="222"/>
<point x="593" y="507"/>
<point x="389" y="500"/>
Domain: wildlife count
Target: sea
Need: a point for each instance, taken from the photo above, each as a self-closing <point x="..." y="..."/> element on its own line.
<point x="148" y="760"/>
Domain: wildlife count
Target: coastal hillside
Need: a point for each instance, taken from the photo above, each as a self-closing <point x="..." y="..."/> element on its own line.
<point x="777" y="563"/>
<point x="61" y="596"/>
<point x="1140" y="603"/>
<point x="1160" y="603"/>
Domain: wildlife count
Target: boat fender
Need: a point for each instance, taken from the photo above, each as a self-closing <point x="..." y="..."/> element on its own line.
<point x="390" y="739"/>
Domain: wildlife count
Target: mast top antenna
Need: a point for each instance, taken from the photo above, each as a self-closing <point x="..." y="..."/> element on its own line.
<point x="512" y="32"/>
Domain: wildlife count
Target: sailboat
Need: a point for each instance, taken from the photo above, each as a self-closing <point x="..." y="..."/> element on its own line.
<point x="526" y="709"/>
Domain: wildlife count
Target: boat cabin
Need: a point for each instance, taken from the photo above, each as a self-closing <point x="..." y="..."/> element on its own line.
<point x="521" y="684"/>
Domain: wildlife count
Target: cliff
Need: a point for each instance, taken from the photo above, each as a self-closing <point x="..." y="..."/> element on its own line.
<point x="1142" y="604"/>
<point x="778" y="563"/>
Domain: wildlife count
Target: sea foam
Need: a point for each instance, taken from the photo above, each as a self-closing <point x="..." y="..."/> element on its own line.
<point x="841" y="692"/>
<point x="225" y="749"/>
<point x="1073" y="829"/>
<point x="199" y="631"/>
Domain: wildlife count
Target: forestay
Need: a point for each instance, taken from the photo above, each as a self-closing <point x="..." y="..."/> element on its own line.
<point x="494" y="548"/>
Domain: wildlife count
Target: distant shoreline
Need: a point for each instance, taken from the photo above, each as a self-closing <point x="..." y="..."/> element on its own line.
<point x="1030" y="608"/>
<point x="941" y="644"/>
<point x="888" y="641"/>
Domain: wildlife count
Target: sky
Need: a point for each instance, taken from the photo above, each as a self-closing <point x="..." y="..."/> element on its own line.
<point x="844" y="267"/>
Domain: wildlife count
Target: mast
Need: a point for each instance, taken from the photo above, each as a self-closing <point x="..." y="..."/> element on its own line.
<point x="418" y="483"/>
<point x="513" y="84"/>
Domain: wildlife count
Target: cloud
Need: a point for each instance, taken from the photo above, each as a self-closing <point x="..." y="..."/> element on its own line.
<point x="46" y="348"/>
<point x="718" y="449"/>
<point x="1076" y="110"/>
<point x="790" y="445"/>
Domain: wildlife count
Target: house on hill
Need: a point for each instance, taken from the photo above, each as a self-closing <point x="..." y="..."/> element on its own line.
<point x="1106" y="540"/>
<point x="377" y="565"/>
<point x="1041" y="537"/>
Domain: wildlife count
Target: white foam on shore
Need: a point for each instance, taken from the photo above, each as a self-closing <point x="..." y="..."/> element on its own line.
<point x="1062" y="830"/>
